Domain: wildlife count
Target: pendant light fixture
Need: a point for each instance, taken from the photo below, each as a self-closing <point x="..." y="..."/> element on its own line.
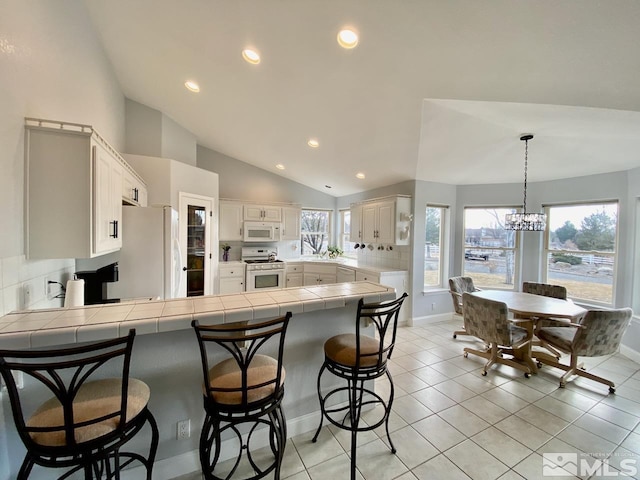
<point x="523" y="221"/>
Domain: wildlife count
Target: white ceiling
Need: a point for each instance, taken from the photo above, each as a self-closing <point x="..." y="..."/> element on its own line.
<point x="437" y="90"/>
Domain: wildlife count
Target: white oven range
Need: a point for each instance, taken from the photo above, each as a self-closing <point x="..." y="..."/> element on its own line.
<point x="263" y="270"/>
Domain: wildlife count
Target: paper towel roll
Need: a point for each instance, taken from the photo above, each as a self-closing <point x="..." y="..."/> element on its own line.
<point x="74" y="295"/>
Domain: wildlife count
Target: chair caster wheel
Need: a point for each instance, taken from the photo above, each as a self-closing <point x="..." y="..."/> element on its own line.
<point x="484" y="374"/>
<point x="562" y="385"/>
<point x="393" y="450"/>
<point x="539" y="364"/>
<point x="466" y="354"/>
<point x="612" y="390"/>
<point x="455" y="336"/>
<point x="527" y="375"/>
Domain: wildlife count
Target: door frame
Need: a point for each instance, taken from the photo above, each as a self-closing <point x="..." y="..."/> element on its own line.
<point x="184" y="200"/>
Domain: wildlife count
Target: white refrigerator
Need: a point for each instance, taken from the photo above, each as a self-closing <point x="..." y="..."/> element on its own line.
<point x="150" y="261"/>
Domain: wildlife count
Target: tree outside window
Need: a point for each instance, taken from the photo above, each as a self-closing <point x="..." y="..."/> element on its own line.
<point x="580" y="249"/>
<point x="490" y="251"/>
<point x="315" y="231"/>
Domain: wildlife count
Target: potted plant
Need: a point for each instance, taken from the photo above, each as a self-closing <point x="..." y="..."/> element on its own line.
<point x="334" y="251"/>
<point x="225" y="251"/>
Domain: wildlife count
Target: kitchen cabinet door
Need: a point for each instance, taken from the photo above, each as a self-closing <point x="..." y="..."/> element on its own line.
<point x="295" y="280"/>
<point x="231" y="279"/>
<point x="356" y="224"/>
<point x="262" y="213"/>
<point x="369" y="277"/>
<point x="345" y="275"/>
<point x="326" y="279"/>
<point x="230" y="221"/>
<point x="291" y="223"/>
<point x="369" y="223"/>
<point x="107" y="207"/>
<point x="385" y="222"/>
<point x="134" y="191"/>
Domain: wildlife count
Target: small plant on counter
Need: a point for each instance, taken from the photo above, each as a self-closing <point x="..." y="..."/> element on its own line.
<point x="334" y="252"/>
<point x="225" y="251"/>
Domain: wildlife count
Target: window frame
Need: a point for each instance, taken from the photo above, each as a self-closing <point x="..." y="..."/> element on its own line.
<point x="442" y="247"/>
<point x="328" y="231"/>
<point x="547" y="251"/>
<point x="516" y="249"/>
<point x="344" y="241"/>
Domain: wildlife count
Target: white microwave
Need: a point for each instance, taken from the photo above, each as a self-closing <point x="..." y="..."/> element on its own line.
<point x="261" y="232"/>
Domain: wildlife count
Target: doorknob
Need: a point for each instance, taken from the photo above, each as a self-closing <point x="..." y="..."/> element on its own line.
<point x="184" y="269"/>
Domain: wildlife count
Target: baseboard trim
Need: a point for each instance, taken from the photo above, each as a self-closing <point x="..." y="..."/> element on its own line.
<point x="188" y="462"/>
<point x="630" y="353"/>
<point x="431" y="319"/>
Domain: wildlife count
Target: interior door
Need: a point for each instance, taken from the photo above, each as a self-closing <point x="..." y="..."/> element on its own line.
<point x="195" y="222"/>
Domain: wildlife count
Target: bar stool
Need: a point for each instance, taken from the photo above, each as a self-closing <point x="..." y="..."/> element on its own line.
<point x="246" y="388"/>
<point x="83" y="426"/>
<point x="358" y="359"/>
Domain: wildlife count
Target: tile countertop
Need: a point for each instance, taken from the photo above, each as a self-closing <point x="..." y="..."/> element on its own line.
<point x="61" y="326"/>
<point x="348" y="262"/>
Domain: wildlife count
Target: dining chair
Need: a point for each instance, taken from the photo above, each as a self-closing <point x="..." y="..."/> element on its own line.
<point x="598" y="333"/>
<point x="457" y="286"/>
<point x="552" y="291"/>
<point x="488" y="320"/>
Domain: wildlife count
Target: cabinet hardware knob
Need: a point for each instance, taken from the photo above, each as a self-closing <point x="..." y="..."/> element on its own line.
<point x="184" y="269"/>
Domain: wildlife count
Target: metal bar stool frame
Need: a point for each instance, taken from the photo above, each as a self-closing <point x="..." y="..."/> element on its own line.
<point x="65" y="372"/>
<point x="243" y="340"/>
<point x="367" y="366"/>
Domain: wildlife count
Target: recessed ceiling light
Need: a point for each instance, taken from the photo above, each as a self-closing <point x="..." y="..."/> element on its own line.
<point x="347" y="38"/>
<point x="251" y="56"/>
<point x="280" y="166"/>
<point x="360" y="175"/>
<point x="191" y="85"/>
<point x="313" y="143"/>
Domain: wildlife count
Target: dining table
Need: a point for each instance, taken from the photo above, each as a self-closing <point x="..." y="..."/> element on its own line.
<point x="527" y="309"/>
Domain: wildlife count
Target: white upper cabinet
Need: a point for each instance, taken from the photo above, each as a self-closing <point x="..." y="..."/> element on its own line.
<point x="73" y="190"/>
<point x="134" y="190"/>
<point x="291" y="223"/>
<point x="262" y="213"/>
<point x="384" y="220"/>
<point x="107" y="204"/>
<point x="230" y="221"/>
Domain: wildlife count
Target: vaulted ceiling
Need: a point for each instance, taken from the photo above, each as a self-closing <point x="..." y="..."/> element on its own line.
<point x="436" y="90"/>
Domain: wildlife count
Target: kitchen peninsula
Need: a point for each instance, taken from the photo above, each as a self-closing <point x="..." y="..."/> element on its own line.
<point x="166" y="357"/>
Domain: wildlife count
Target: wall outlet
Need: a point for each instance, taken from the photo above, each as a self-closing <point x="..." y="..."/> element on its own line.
<point x="184" y="429"/>
<point x="26" y="295"/>
<point x="433" y="307"/>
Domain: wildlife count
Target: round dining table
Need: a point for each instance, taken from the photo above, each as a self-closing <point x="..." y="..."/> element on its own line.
<point x="528" y="308"/>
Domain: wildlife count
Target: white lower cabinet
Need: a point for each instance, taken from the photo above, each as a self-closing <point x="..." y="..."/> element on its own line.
<point x="367" y="277"/>
<point x="231" y="278"/>
<point x="319" y="274"/>
<point x="346" y="275"/>
<point x="295" y="275"/>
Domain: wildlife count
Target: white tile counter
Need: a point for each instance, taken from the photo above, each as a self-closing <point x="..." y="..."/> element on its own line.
<point x="42" y="328"/>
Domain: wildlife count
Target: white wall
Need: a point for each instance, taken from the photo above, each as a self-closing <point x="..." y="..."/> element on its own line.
<point x="53" y="67"/>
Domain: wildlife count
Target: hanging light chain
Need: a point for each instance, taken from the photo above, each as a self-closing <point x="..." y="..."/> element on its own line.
<point x="526" y="155"/>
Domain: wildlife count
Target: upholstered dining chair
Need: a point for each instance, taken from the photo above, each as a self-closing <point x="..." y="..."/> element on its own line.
<point x="487" y="320"/>
<point x="553" y="291"/>
<point x="598" y="333"/>
<point x="457" y="286"/>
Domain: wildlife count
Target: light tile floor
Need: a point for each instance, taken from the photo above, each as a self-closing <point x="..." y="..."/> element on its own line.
<point x="449" y="422"/>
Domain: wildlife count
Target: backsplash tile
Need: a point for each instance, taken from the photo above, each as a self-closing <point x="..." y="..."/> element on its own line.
<point x="17" y="273"/>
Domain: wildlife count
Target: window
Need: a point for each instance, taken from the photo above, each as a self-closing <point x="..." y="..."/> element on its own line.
<point x="490" y="251"/>
<point x="345" y="234"/>
<point x="580" y="249"/>
<point x="315" y="231"/>
<point x="433" y="245"/>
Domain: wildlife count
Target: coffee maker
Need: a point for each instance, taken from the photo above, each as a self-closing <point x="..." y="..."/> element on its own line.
<point x="95" y="284"/>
